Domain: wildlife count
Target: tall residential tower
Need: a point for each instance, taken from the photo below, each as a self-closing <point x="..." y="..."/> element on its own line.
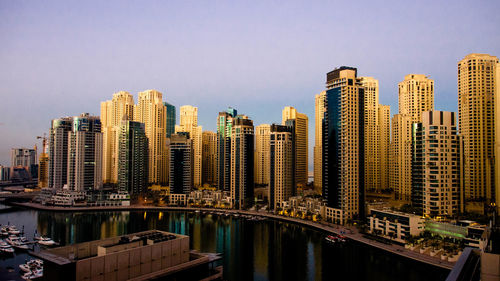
<point x="319" y="101"/>
<point x="478" y="83"/>
<point x="416" y="95"/>
<point x="301" y="140"/>
<point x="262" y="133"/>
<point x="242" y="162"/>
<point x="151" y="111"/>
<point x="224" y="128"/>
<point x="343" y="147"/>
<point x="121" y="107"/>
<point x="189" y="124"/>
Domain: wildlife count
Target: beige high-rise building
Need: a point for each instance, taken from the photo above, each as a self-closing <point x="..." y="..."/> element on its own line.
<point x="416" y="95"/>
<point x="400" y="162"/>
<point x="209" y="156"/>
<point x="436" y="164"/>
<point x="319" y="106"/>
<point x="301" y="143"/>
<point x="151" y="111"/>
<point x="497" y="137"/>
<point x="189" y="123"/>
<point x="384" y="123"/>
<point x="262" y="133"/>
<point x="281" y="165"/>
<point x="478" y="83"/>
<point x="113" y="111"/>
<point x="371" y="134"/>
<point x="376" y="137"/>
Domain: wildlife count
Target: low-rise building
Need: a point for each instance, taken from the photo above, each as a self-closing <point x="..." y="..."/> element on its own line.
<point x="148" y="255"/>
<point x="177" y="199"/>
<point x="395" y="225"/>
<point x="468" y="231"/>
<point x="334" y="215"/>
<point x="209" y="198"/>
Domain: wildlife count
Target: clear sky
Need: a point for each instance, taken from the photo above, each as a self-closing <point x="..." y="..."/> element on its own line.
<point x="62" y="58"/>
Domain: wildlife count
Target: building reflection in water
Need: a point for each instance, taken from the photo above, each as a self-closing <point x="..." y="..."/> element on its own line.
<point x="268" y="250"/>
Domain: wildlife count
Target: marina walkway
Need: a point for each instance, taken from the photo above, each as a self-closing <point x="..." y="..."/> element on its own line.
<point x="348" y="231"/>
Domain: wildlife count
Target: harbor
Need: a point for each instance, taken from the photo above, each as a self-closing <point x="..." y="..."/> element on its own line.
<point x="248" y="244"/>
<point x="14" y="241"/>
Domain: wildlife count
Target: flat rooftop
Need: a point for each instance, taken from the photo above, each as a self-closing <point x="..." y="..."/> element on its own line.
<point x="74" y="252"/>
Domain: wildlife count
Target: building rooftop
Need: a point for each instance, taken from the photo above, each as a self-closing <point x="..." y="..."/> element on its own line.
<point x="72" y="253"/>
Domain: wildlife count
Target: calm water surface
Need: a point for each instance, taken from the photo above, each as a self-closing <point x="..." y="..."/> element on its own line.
<point x="266" y="250"/>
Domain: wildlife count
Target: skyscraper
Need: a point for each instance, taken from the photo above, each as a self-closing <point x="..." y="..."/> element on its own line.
<point x="209" y="156"/>
<point x="180" y="163"/>
<point x="416" y="95"/>
<point x="242" y="162"/>
<point x="497" y="137"/>
<point x="372" y="134"/>
<point x="133" y="157"/>
<point x="151" y="111"/>
<point x="262" y="133"/>
<point x="400" y="157"/>
<point x="189" y="124"/>
<point x="478" y="82"/>
<point x="436" y="164"/>
<point x="319" y="101"/>
<point x="58" y="151"/>
<point x="384" y="123"/>
<point x="281" y="165"/>
<point x="170" y="118"/>
<point x="343" y="147"/>
<point x="121" y="107"/>
<point x="85" y="153"/>
<point x="224" y="128"/>
<point x="301" y="140"/>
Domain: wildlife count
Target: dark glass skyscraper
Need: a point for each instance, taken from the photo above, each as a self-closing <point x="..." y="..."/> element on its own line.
<point x="242" y="162"/>
<point x="343" y="148"/>
<point x="133" y="157"/>
<point x="170" y="123"/>
<point x="181" y="163"/>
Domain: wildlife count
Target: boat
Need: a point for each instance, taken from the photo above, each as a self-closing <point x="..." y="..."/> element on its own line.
<point x="31" y="265"/>
<point x="5" y="248"/>
<point x="46" y="241"/>
<point x="33" y="274"/>
<point x="331" y="239"/>
<point x="13" y="230"/>
<point x="341" y="238"/>
<point x="15" y="242"/>
<point x="4" y="231"/>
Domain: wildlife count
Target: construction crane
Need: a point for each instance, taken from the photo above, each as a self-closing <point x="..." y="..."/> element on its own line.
<point x="44" y="142"/>
<point x="43" y="167"/>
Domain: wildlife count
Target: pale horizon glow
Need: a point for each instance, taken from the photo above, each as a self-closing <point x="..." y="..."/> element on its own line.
<point x="60" y="58"/>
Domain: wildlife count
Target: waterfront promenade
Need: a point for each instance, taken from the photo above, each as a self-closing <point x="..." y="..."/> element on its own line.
<point x="348" y="231"/>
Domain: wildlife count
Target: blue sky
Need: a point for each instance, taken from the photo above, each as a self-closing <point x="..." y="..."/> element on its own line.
<point x="60" y="58"/>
